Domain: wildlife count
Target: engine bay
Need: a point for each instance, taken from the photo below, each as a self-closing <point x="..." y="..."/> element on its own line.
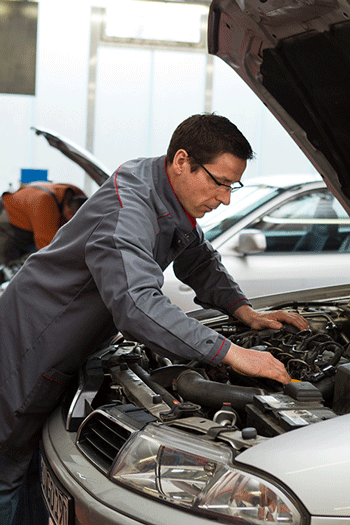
<point x="131" y="385"/>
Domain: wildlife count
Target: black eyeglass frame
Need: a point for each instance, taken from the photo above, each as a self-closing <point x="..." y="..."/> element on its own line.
<point x="231" y="188"/>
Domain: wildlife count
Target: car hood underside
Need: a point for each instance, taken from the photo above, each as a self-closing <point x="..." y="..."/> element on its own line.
<point x="295" y="56"/>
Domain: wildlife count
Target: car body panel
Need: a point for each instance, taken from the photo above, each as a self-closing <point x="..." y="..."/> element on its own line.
<point x="93" y="167"/>
<point x="306" y="458"/>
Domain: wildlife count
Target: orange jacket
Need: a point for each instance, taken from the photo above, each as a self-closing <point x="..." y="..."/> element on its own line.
<point x="35" y="210"/>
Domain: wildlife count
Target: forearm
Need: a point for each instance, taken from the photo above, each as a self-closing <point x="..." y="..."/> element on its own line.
<point x="200" y="268"/>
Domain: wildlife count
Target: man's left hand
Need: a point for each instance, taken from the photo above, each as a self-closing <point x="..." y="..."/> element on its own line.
<point x="273" y="319"/>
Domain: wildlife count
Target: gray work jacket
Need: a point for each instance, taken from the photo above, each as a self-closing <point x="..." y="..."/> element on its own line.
<point x="104" y="269"/>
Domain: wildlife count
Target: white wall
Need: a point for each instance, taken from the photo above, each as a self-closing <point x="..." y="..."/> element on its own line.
<point x="61" y="96"/>
<point x="141" y="96"/>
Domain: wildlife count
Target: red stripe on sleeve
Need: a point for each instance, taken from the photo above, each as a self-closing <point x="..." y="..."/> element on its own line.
<point x="218" y="352"/>
<point x="238" y="301"/>
<point x="116" y="187"/>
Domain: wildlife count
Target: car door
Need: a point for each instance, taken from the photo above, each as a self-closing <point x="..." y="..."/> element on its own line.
<point x="307" y="245"/>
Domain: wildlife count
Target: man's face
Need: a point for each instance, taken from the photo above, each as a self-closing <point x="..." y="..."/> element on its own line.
<point x="197" y="191"/>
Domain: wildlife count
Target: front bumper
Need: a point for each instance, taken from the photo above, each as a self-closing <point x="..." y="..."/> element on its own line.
<point x="97" y="500"/>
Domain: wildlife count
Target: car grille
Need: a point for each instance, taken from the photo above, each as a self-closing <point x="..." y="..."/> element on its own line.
<point x="100" y="438"/>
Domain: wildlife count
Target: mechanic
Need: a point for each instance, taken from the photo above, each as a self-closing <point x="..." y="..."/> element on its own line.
<point x="103" y="273"/>
<point x="31" y="216"/>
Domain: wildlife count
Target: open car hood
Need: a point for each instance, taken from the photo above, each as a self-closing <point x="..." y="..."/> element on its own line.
<point x="93" y="167"/>
<point x="295" y="55"/>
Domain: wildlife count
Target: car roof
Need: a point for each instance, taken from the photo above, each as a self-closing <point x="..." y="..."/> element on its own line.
<point x="286" y="180"/>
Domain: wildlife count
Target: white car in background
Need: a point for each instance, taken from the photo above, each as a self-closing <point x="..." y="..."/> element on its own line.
<point x="276" y="235"/>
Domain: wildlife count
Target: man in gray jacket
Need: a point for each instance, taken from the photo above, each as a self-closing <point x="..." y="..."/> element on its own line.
<point x="103" y="272"/>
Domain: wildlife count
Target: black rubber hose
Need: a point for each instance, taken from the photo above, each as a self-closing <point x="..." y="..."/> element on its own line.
<point x="193" y="387"/>
<point x="165" y="376"/>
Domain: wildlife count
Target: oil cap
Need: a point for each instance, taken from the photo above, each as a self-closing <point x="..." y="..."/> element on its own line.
<point x="249" y="433"/>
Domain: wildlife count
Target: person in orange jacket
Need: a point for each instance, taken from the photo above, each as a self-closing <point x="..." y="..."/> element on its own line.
<point x="31" y="216"/>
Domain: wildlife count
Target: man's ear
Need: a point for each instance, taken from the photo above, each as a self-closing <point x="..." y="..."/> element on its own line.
<point x="179" y="160"/>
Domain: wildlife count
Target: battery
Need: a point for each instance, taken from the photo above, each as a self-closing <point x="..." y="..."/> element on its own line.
<point x="274" y="414"/>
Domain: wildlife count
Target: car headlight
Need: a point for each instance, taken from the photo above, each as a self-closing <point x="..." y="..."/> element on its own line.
<point x="184" y="470"/>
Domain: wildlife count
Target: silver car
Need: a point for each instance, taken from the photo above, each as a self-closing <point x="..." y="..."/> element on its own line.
<point x="276" y="237"/>
<point x="140" y="439"/>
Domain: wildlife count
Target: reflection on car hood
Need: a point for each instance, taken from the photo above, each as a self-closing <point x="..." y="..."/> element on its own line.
<point x="295" y="55"/>
<point x="305" y="458"/>
<point x="93" y="167"/>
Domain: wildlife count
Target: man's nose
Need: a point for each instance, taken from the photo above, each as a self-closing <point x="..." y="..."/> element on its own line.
<point x="225" y="197"/>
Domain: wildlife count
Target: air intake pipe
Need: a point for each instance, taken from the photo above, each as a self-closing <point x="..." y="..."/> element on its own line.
<point x="192" y="386"/>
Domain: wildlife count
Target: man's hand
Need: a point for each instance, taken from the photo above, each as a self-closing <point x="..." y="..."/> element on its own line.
<point x="255" y="363"/>
<point x="273" y="319"/>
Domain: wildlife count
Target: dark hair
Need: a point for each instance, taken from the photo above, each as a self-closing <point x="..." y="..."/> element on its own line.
<point x="206" y="136"/>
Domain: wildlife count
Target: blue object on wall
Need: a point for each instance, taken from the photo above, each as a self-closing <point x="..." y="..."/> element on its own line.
<point x="29" y="175"/>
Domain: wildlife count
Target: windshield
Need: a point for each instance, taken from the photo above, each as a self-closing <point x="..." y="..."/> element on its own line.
<point x="243" y="201"/>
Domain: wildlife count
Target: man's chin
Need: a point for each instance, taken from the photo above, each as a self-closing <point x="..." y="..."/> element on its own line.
<point x="199" y="213"/>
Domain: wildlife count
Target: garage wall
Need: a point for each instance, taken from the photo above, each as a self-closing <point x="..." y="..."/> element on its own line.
<point x="60" y="101"/>
<point x="141" y="95"/>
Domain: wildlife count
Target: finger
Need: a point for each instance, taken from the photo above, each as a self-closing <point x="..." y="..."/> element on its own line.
<point x="269" y="366"/>
<point x="284" y="378"/>
<point x="293" y="318"/>
<point x="299" y="321"/>
<point x="276" y="325"/>
<point x="266" y="321"/>
<point x="278" y="370"/>
<point x="280" y="374"/>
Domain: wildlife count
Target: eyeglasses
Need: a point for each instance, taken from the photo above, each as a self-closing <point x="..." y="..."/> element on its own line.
<point x="234" y="187"/>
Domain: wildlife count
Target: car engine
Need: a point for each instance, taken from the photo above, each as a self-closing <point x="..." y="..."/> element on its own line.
<point x="125" y="386"/>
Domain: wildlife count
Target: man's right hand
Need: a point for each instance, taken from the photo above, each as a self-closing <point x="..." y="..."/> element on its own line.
<point x="255" y="363"/>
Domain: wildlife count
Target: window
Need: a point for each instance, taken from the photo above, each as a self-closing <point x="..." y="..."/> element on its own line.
<point x="312" y="222"/>
<point x="156" y="21"/>
<point x="243" y="202"/>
